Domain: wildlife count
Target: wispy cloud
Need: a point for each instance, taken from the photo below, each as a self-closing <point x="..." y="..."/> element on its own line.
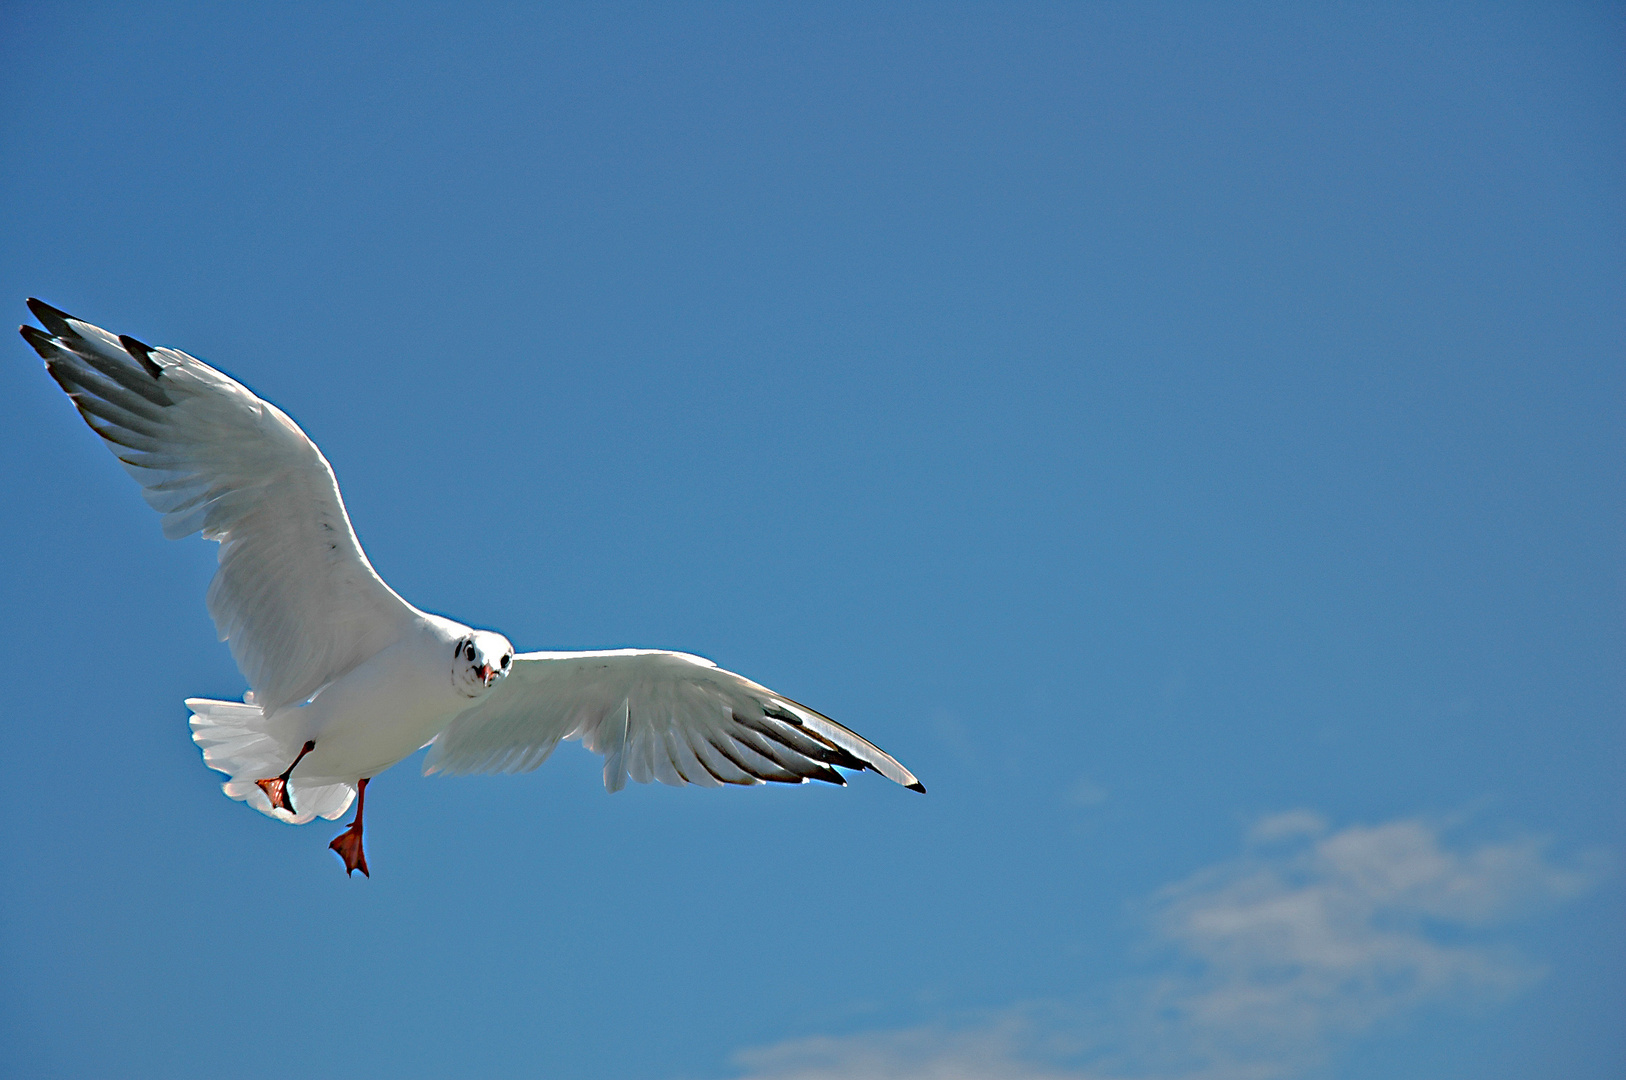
<point x="1268" y="964"/>
<point x="1311" y="937"/>
<point x="999" y="1047"/>
<point x="1086" y="792"/>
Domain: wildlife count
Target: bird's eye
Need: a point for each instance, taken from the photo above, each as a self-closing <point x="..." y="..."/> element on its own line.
<point x="471" y="653"/>
<point x="507" y="660"/>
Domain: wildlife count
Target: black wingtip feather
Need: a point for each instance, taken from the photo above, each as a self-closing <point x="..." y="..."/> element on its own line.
<point x="917" y="786"/>
<point x="142" y="352"/>
<point x="55" y="320"/>
<point x="42" y="342"/>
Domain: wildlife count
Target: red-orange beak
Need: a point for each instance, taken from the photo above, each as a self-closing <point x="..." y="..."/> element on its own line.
<point x="485" y="674"/>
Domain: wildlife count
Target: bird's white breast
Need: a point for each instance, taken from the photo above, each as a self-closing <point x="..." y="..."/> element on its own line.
<point x="388" y="707"/>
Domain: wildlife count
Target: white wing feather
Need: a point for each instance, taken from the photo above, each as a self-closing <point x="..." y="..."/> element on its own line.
<point x="654" y="715"/>
<point x="294" y="596"/>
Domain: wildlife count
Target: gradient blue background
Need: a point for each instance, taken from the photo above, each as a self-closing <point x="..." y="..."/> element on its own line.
<point x="1138" y="419"/>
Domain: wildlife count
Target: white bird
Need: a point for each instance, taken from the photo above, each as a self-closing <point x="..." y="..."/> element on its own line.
<point x="346" y="677"/>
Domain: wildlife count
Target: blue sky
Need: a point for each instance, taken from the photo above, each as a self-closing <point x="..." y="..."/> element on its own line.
<point x="1189" y="437"/>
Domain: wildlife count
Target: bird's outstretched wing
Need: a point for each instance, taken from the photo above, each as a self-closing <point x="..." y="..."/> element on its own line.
<point x="294" y="595"/>
<point x="654" y="715"/>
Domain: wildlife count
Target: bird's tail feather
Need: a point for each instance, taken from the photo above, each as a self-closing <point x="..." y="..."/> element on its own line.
<point x="234" y="740"/>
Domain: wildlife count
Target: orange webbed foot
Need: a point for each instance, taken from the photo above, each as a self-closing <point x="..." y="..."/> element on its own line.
<point x="348" y="845"/>
<point x="276" y="789"/>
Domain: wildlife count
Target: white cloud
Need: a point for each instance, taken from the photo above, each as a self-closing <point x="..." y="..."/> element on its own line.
<point x="1286" y="826"/>
<point x="1086" y="792"/>
<point x="997" y="1048"/>
<point x="1270" y="963"/>
<point x="1310" y="938"/>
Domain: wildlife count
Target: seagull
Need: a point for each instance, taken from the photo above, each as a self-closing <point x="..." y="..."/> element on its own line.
<point x="347" y="678"/>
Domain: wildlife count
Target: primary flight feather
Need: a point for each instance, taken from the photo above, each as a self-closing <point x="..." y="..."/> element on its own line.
<point x="346" y="677"/>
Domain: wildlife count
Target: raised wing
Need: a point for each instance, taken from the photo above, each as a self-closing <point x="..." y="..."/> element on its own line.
<point x="654" y="715"/>
<point x="294" y="595"/>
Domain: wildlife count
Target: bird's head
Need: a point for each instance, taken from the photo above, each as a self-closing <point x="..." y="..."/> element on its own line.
<point x="479" y="660"/>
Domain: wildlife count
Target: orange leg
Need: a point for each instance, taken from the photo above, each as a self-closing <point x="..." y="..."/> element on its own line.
<point x="348" y="843"/>
<point x="276" y="788"/>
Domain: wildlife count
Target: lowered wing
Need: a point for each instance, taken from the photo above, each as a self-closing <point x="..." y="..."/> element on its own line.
<point x="654" y="715"/>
